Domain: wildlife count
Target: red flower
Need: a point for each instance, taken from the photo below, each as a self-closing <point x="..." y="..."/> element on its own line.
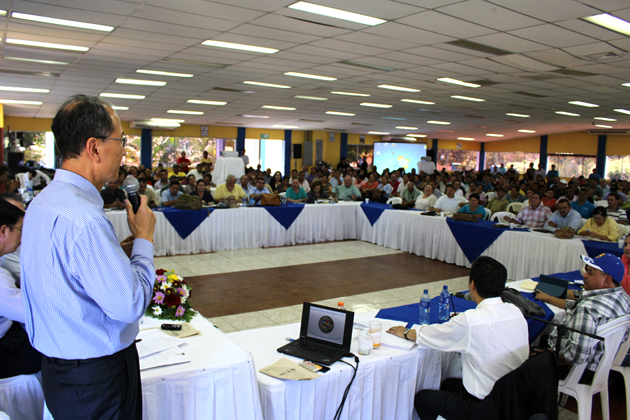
<point x="160" y="272"/>
<point x="172" y="300"/>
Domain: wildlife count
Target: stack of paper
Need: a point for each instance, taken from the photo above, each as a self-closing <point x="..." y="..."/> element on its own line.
<point x="390" y="340"/>
<point x="158" y="349"/>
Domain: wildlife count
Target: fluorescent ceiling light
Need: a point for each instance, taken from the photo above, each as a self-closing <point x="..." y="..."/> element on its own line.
<point x="625" y="84"/>
<point x="249" y="82"/>
<point x="570" y="114"/>
<point x="467" y="98"/>
<point x="438" y="122"/>
<point x="140" y="82"/>
<point x="120" y="108"/>
<point x="402" y="127"/>
<point x="162" y="124"/>
<point x="23" y="89"/>
<point x="465" y="138"/>
<point x="603" y="126"/>
<point x="404" y="89"/>
<point x="413" y="101"/>
<point x="167" y="120"/>
<point x="200" y="102"/>
<point x="336" y="13"/>
<point x="282" y="108"/>
<point x="610" y="22"/>
<point x="309" y="76"/>
<point x="254" y="116"/>
<point x="517" y="115"/>
<point x="586" y="104"/>
<point x="11" y="101"/>
<point x="394" y="118"/>
<point x="378" y="133"/>
<point x="347" y="114"/>
<point x="241" y="47"/>
<point x="494" y="135"/>
<point x="416" y="135"/>
<point x="604" y="119"/>
<point x="164" y="73"/>
<point x="45" y="45"/>
<point x="288" y="127"/>
<point x="409" y="138"/>
<point x="62" y="22"/>
<point x="3" y="12"/>
<point x="121" y="96"/>
<point x="526" y="131"/>
<point x="32" y="60"/>
<point x="312" y="98"/>
<point x="458" y="82"/>
<point x="375" y="105"/>
<point x="623" y="111"/>
<point x="177" y="111"/>
<point x="350" y="93"/>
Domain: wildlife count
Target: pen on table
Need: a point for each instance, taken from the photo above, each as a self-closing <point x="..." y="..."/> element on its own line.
<point x="137" y="340"/>
<point x="290" y="339"/>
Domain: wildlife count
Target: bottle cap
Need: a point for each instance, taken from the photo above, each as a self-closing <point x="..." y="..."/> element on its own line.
<point x="340" y="304"/>
<point x="426" y="290"/>
<point x="445" y="287"/>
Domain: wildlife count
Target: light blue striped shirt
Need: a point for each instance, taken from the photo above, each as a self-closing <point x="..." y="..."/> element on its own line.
<point x="82" y="296"/>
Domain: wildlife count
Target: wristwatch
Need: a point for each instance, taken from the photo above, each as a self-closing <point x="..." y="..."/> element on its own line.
<point x="405" y="334"/>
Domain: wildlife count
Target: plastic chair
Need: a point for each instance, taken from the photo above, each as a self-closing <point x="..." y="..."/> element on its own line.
<point x="22" y="397"/>
<point x="515" y="206"/>
<point x="488" y="214"/>
<point x="623" y="230"/>
<point x="613" y="334"/>
<point x="498" y="216"/>
<point x="624" y="370"/>
<point x="490" y="195"/>
<point x="394" y="200"/>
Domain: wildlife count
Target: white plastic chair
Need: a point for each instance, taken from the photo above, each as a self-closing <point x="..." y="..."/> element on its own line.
<point x="515" y="206"/>
<point x="623" y="230"/>
<point x="22" y="397"/>
<point x="498" y="216"/>
<point x="613" y="333"/>
<point x="490" y="195"/>
<point x="624" y="370"/>
<point x="394" y="200"/>
<point x="488" y="214"/>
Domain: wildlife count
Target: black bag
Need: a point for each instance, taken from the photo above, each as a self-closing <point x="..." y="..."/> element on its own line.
<point x="526" y="306"/>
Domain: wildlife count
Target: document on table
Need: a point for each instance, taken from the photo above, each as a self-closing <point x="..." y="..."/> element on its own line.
<point x="154" y="341"/>
<point x="390" y="340"/>
<point x="172" y="356"/>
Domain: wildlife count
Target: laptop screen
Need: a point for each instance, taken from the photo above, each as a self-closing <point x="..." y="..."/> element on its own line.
<point x="326" y="324"/>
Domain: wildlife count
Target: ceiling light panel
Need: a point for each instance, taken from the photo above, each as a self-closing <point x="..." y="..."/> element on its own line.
<point x="570" y="114"/>
<point x="121" y="96"/>
<point x="622" y="111"/>
<point x="336" y="13"/>
<point x="200" y="102"/>
<point x="178" y="111"/>
<point x="378" y="133"/>
<point x="610" y="22"/>
<point x="402" y="127"/>
<point x="416" y="135"/>
<point x="404" y="89"/>
<point x="241" y="47"/>
<point x="272" y="85"/>
<point x="62" y="22"/>
<point x="311" y="98"/>
<point x="309" y="76"/>
<point x="517" y="115"/>
<point x="603" y="126"/>
<point x="526" y="131"/>
<point x="438" y="122"/>
<point x="586" y="104"/>
<point x="414" y="101"/>
<point x="16" y="102"/>
<point x="120" y="108"/>
<point x="281" y="108"/>
<point x="494" y="135"/>
<point x="51" y="45"/>
<point x="32" y="60"/>
<point x="465" y="138"/>
<point x="349" y="93"/>
<point x="164" y="73"/>
<point x="467" y="98"/>
<point x="373" y="105"/>
<point x="604" y="119"/>
<point x="345" y="114"/>
<point x="458" y="82"/>
<point x="140" y="82"/>
<point x="23" y="89"/>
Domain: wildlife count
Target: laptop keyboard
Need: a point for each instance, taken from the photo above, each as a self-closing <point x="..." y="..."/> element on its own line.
<point x="317" y="348"/>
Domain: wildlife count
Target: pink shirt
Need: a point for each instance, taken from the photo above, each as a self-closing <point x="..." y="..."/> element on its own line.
<point x="625" y="283"/>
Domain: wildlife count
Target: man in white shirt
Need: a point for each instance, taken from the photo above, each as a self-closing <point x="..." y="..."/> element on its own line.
<point x="450" y="202"/>
<point x="198" y="172"/>
<point x="492" y="339"/>
<point x="303" y="182"/>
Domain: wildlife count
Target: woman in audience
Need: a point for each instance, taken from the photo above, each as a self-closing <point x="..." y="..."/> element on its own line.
<point x="202" y="192"/>
<point x="515" y="195"/>
<point x="600" y="226"/>
<point x="207" y="178"/>
<point x="192" y="182"/>
<point x="370" y="185"/>
<point x="296" y="194"/>
<point x="550" y="201"/>
<point x="426" y="201"/>
<point x="316" y="193"/>
<point x="479" y="191"/>
<point x="133" y="171"/>
<point x="276" y="182"/>
<point x="473" y="207"/>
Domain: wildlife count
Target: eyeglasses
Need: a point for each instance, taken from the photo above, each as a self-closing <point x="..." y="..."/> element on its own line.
<point x="123" y="139"/>
<point x="15" y="227"/>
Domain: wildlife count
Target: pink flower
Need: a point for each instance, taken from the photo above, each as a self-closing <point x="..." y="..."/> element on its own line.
<point x="161" y="279"/>
<point x="158" y="298"/>
<point x="180" y="311"/>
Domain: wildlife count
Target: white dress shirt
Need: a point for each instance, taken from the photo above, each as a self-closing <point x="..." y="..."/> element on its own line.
<point x="12" y="308"/>
<point x="306" y="186"/>
<point x="493" y="340"/>
<point x="450" y="204"/>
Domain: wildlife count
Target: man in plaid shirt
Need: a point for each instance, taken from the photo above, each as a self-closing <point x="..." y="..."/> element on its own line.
<point x="534" y="216"/>
<point x="602" y="301"/>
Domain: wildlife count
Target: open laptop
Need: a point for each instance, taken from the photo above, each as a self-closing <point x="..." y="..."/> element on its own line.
<point x="325" y="335"/>
<point x="553" y="286"/>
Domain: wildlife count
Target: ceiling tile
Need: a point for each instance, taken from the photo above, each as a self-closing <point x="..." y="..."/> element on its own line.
<point x="549" y="11"/>
<point x="552" y="35"/>
<point x="445" y="25"/>
<point x="490" y="15"/>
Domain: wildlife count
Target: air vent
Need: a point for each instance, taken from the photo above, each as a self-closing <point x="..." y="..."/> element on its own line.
<point x="305" y="119"/>
<point x="365" y="65"/>
<point x="234" y="90"/>
<point x="571" y="72"/>
<point x="522" y="106"/>
<point x="609" y="132"/>
<point x="369" y="125"/>
<point x="541" y="77"/>
<point x="473" y="116"/>
<point x="29" y="73"/>
<point x="475" y="46"/>
<point x="531" y="95"/>
<point x="610" y="55"/>
<point x="483" y="82"/>
<point x="515" y="121"/>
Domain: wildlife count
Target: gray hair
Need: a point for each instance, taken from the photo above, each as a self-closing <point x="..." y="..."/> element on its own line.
<point x="230" y="178"/>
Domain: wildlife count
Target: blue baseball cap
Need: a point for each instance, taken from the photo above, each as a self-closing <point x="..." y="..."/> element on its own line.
<point x="608" y="263"/>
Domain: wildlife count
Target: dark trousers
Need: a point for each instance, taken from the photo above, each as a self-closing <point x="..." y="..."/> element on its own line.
<point x="102" y="388"/>
<point x="452" y="402"/>
<point x="17" y="356"/>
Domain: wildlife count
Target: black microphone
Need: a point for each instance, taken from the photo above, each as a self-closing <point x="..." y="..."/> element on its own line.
<point x="131" y="186"/>
<point x="463" y="295"/>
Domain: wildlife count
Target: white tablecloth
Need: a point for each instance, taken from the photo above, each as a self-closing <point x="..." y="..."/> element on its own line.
<point x="225" y="166"/>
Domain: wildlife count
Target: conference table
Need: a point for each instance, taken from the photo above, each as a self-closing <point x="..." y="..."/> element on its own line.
<point x="525" y="253"/>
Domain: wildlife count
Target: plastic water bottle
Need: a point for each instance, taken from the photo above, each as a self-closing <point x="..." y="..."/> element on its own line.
<point x="425" y="308"/>
<point x="444" y="305"/>
<point x="341" y="306"/>
<point x="245" y="201"/>
<point x="29" y="189"/>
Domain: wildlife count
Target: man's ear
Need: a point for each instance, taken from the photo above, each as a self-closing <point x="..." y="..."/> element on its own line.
<point x="92" y="148"/>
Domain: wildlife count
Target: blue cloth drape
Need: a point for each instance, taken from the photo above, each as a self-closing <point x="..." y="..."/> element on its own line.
<point x="286" y="214"/>
<point x="185" y="221"/>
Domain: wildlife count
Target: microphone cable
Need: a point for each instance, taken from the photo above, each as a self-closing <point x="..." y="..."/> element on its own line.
<point x="345" y="394"/>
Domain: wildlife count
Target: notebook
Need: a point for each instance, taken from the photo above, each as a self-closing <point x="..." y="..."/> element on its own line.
<point x="325" y="335"/>
<point x="553" y="286"/>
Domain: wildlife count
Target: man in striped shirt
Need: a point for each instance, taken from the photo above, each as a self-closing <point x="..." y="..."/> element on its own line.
<point x="534" y="216"/>
<point x="614" y="210"/>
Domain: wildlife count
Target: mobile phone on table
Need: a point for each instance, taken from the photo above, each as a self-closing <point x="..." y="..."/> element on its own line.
<point x="171" y="327"/>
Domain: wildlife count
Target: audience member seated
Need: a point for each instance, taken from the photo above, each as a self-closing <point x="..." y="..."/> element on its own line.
<point x="177" y="171"/>
<point x="492" y="339"/>
<point x="515" y="196"/>
<point x="312" y="175"/>
<point x="604" y="186"/>
<point x="553" y="173"/>
<point x="260" y="189"/>
<point x="564" y="217"/>
<point x="473" y="207"/>
<point x="614" y="209"/>
<point x="276" y="182"/>
<point x="478" y="189"/>
<point x="569" y="194"/>
<point x="346" y="191"/>
<point x="534" y="216"/>
<point x="426" y="200"/>
<point x="162" y="180"/>
<point x="326" y="187"/>
<point x="549" y="200"/>
<point x="149" y="192"/>
<point x="385" y="187"/>
<point x="203" y="193"/>
<point x="17" y="356"/>
<point x="334" y="178"/>
<point x="229" y="189"/>
<point x="113" y="197"/>
<point x="459" y="190"/>
<point x="206" y="158"/>
<point x="303" y="182"/>
<point x="409" y="195"/>
<point x="169" y="196"/>
<point x="449" y="203"/>
<point x="296" y="194"/>
<point x="498" y="202"/>
<point x="402" y="185"/>
<point x="614" y="189"/>
<point x="600" y="226"/>
<point x="370" y="185"/>
<point x="316" y="193"/>
<point x="188" y="184"/>
<point x="183" y="161"/>
<point x="197" y="172"/>
<point x="245" y="185"/>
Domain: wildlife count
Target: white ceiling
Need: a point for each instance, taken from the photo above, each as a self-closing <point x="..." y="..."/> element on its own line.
<point x="541" y="37"/>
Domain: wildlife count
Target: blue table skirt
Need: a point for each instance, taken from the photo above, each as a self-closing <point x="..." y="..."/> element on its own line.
<point x="185" y="221"/>
<point x="594" y="248"/>
<point x="286" y="214"/>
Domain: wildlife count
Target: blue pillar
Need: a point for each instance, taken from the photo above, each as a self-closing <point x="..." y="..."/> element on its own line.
<point x="343" y="147"/>
<point x="146" y="147"/>
<point x="482" y="157"/>
<point x="288" y="134"/>
<point x="240" y="139"/>
<point x="544" y="158"/>
<point x="601" y="156"/>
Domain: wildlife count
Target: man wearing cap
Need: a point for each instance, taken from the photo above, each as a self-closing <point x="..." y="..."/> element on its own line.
<point x="601" y="301"/>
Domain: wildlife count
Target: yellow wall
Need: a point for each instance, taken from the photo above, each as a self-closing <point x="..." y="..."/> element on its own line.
<point x="579" y="143"/>
<point x="618" y="145"/>
<point x="27" y="124"/>
<point x="452" y="144"/>
<point x="1" y="115"/>
<point x="526" y="145"/>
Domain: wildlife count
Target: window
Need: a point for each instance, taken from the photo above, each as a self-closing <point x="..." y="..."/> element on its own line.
<point x="266" y="153"/>
<point x="166" y="150"/>
<point x="572" y="166"/>
<point x="357" y="153"/>
<point x="38" y="146"/>
<point x="618" y="167"/>
<point x="520" y="160"/>
<point x="456" y="160"/>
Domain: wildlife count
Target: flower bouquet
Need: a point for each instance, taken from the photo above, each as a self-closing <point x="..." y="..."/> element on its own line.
<point x="170" y="298"/>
